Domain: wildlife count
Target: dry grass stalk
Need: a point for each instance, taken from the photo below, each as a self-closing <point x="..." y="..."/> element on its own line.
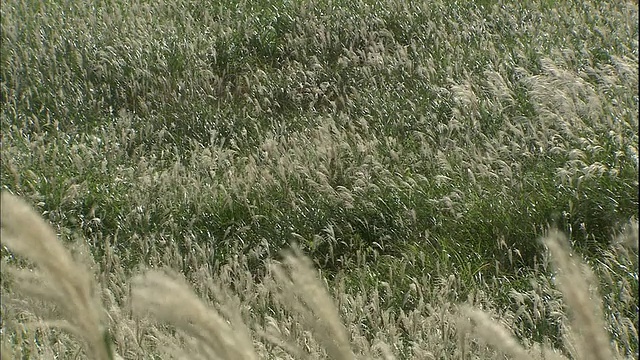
<point x="301" y="291"/>
<point x="57" y="277"/>
<point x="172" y="300"/>
<point x="495" y="334"/>
<point x="574" y="280"/>
<point x="585" y="336"/>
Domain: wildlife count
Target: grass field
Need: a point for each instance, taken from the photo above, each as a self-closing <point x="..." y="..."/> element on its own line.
<point x="415" y="153"/>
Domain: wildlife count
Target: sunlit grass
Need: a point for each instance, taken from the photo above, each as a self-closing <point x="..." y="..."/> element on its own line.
<point x="397" y="143"/>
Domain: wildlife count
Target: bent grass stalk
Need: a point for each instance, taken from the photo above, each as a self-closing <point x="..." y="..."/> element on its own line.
<point x="173" y="301"/>
<point x="57" y="277"/>
<point x="575" y="280"/>
<point x="585" y="336"/>
<point x="301" y="291"/>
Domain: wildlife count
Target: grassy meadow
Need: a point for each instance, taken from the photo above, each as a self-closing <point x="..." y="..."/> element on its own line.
<point x="364" y="179"/>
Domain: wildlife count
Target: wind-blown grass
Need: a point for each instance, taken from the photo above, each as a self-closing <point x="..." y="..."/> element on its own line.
<point x="415" y="152"/>
<point x="57" y="278"/>
<point x="219" y="330"/>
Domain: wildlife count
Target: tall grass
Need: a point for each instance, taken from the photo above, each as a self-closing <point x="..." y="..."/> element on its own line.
<point x="415" y="152"/>
<point x="305" y="322"/>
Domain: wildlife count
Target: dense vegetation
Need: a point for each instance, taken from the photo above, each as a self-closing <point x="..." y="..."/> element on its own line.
<point x="396" y="142"/>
